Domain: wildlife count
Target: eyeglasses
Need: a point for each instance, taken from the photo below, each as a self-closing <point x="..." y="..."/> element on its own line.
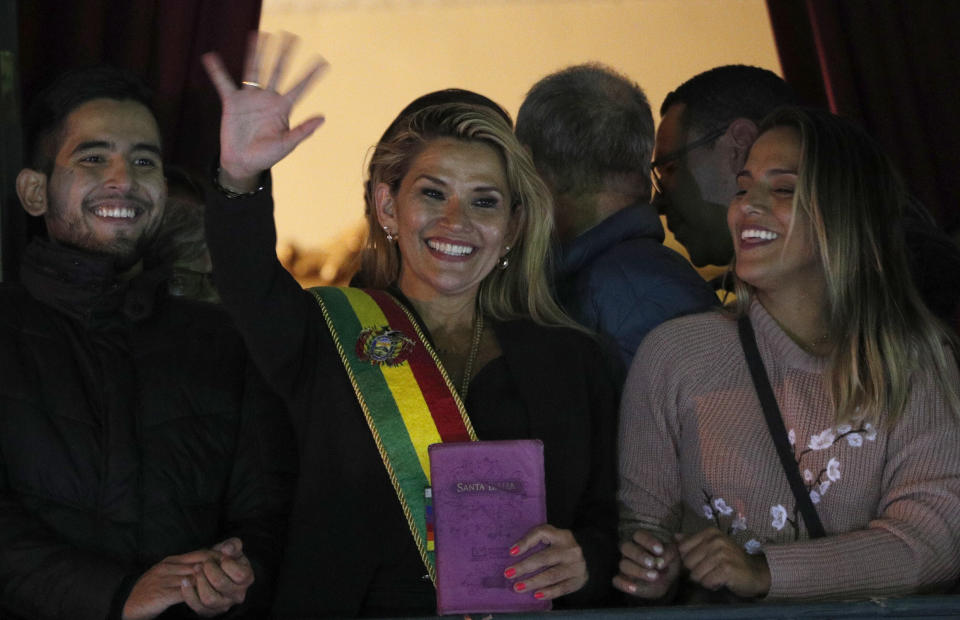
<point x="659" y="163"/>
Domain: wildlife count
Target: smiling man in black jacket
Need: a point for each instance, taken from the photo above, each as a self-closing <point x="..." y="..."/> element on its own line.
<point x="144" y="469"/>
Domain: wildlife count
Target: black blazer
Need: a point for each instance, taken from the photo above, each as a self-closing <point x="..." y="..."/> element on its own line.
<point x="347" y="523"/>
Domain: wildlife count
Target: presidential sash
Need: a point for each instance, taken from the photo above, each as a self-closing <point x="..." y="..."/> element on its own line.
<point x="406" y="396"/>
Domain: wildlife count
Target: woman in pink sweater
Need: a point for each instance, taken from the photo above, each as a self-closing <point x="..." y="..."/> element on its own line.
<point x="861" y="380"/>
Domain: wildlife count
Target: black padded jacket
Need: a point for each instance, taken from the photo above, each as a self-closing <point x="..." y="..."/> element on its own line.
<point x="132" y="427"/>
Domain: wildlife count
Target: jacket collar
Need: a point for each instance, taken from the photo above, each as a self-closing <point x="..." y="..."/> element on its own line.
<point x="86" y="287"/>
<point x="636" y="221"/>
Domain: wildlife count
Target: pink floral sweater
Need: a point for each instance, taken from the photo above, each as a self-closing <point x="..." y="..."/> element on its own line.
<point x="695" y="452"/>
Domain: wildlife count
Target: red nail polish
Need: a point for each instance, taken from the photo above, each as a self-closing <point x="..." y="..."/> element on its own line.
<point x="509" y="573"/>
<point x="538" y="595"/>
<point x="520" y="587"/>
<point x="514" y="550"/>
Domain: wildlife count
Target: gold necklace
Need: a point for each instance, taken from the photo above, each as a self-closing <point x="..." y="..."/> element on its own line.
<point x="472" y="356"/>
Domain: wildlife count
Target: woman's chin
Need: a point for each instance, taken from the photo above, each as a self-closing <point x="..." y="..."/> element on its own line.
<point x="439" y="287"/>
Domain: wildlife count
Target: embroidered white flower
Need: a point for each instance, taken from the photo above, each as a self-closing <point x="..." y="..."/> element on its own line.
<point x="833" y="470"/>
<point x="753" y="546"/>
<point x="822" y="440"/>
<point x="779" y="514"/>
<point x="707" y="511"/>
<point x="807" y="476"/>
<point x="855" y="439"/>
<point x="722" y="507"/>
<point x="844" y="428"/>
<point x="814" y="497"/>
<point x="792" y="437"/>
<point x="739" y="524"/>
<point x="824" y="486"/>
<point x="871" y="432"/>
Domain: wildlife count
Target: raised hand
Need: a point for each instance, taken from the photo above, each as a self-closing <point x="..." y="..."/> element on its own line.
<point x="648" y="567"/>
<point x="716" y="561"/>
<point x="564" y="568"/>
<point x="255" y="129"/>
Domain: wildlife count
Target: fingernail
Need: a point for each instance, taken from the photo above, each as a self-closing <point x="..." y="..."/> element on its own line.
<point x="509" y="573"/>
<point x="520" y="587"/>
<point x="632" y="588"/>
<point x="514" y="550"/>
<point x="538" y="595"/>
<point x="661" y="563"/>
<point x="185" y="583"/>
<point x="652" y="574"/>
<point x="658" y="549"/>
<point x="648" y="562"/>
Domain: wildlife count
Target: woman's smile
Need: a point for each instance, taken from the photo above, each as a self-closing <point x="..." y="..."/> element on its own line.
<point x="447" y="250"/>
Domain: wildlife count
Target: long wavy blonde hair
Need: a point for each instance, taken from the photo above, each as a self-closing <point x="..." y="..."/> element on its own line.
<point x="881" y="331"/>
<point x="520" y="291"/>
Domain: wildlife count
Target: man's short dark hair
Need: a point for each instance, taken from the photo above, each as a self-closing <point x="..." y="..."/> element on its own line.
<point x="50" y="108"/>
<point x="584" y="123"/>
<point x="714" y="98"/>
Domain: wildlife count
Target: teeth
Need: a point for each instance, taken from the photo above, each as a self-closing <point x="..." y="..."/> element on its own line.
<point x="449" y="248"/>
<point x="120" y="212"/>
<point x="753" y="233"/>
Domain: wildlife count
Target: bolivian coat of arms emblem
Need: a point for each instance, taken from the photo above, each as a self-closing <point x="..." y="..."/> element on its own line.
<point x="382" y="345"/>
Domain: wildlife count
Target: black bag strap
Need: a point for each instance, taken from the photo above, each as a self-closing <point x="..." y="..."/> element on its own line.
<point x="778" y="431"/>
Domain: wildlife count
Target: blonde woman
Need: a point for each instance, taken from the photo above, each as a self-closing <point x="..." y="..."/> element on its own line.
<point x="861" y="382"/>
<point x="460" y="227"/>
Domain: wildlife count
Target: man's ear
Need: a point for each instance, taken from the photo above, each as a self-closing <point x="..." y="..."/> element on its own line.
<point x="386" y="207"/>
<point x="742" y="133"/>
<point x="32" y="191"/>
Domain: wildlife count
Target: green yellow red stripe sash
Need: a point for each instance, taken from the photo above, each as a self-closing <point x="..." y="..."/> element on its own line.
<point x="406" y="396"/>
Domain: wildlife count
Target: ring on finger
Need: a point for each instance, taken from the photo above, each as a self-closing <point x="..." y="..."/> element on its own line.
<point x="252" y="83"/>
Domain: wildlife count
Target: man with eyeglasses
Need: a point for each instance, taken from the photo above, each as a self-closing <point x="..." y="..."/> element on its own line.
<point x="706" y="128"/>
<point x="590" y="132"/>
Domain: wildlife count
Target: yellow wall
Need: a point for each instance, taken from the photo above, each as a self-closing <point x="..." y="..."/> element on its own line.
<point x="384" y="53"/>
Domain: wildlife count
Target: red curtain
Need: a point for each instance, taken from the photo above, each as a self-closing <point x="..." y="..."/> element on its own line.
<point x="895" y="66"/>
<point x="161" y="40"/>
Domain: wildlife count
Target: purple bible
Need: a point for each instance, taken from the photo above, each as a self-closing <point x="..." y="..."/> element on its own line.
<point x="486" y="496"/>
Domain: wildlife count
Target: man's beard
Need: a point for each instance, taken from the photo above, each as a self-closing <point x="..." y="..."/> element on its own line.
<point x="699" y="224"/>
<point x="124" y="251"/>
